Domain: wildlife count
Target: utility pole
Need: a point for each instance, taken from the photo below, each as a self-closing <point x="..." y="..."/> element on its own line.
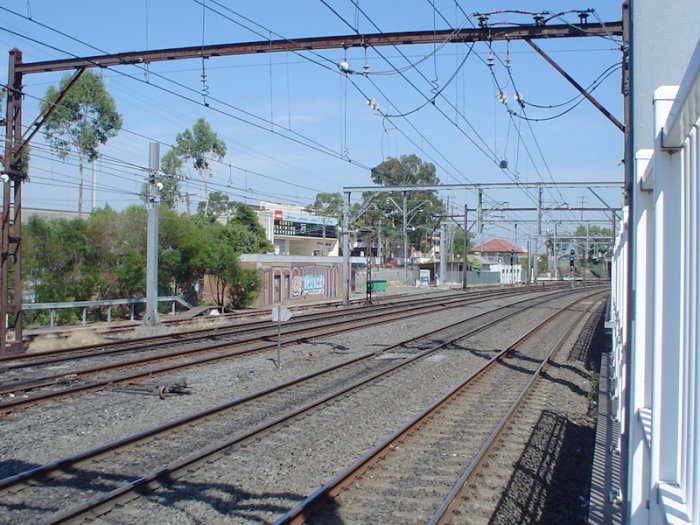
<point x="93" y="195"/>
<point x="150" y="319"/>
<point x="480" y="213"/>
<point x="464" y="252"/>
<point x="529" y="265"/>
<point x="346" y="250"/>
<point x="554" y="251"/>
<point x="405" y="237"/>
<point x="539" y="233"/>
<point x="443" y="255"/>
<point x="581" y="201"/>
<point x="13" y="176"/>
<point x="585" y="253"/>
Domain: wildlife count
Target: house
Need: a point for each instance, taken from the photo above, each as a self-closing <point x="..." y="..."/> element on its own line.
<point x="498" y="255"/>
<point x="498" y="251"/>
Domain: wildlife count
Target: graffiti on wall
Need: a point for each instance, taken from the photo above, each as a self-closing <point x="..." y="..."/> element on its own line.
<point x="308" y="285"/>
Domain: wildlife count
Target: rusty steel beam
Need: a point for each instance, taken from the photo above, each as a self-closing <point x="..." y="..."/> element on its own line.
<point x="578" y="86"/>
<point x="35" y="126"/>
<point x="329" y="42"/>
<point x="11" y="255"/>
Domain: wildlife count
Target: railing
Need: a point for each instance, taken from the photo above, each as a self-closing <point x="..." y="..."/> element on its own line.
<point x="107" y="303"/>
<point x="660" y="355"/>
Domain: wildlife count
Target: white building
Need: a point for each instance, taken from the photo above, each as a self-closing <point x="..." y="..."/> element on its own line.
<point x="293" y="231"/>
<point x="655" y="304"/>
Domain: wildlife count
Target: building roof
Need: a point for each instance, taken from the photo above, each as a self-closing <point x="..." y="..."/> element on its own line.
<point x="496" y="246"/>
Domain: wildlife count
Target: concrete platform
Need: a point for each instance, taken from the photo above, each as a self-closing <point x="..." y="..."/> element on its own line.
<point x="605" y="503"/>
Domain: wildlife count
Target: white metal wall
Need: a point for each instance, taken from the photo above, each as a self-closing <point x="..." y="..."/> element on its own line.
<point x="663" y="452"/>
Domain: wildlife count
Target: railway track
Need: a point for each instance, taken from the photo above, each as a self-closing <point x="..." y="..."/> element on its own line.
<point x="528" y="442"/>
<point x="90" y="471"/>
<point x="25" y="385"/>
<point x="411" y="473"/>
<point x="224" y="329"/>
<point x="62" y="334"/>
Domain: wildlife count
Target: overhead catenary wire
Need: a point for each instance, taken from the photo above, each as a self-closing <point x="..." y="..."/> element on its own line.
<point x="483" y="147"/>
<point x="492" y="155"/>
<point x="606" y="73"/>
<point x="516" y="127"/>
<point x="145" y="169"/>
<point x="280" y="36"/>
<point x="378" y="52"/>
<point x="349" y="160"/>
<point x="120" y="73"/>
<point x="356" y="26"/>
<point x="297" y="137"/>
<point x="499" y="88"/>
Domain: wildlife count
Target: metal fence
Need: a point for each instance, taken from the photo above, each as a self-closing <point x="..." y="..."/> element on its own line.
<point x="84" y="306"/>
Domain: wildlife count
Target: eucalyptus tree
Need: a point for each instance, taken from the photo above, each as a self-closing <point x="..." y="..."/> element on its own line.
<point x="327" y="205"/>
<point x="419" y="208"/>
<point x="218" y="205"/>
<point x="197" y="145"/>
<point x="84" y="119"/>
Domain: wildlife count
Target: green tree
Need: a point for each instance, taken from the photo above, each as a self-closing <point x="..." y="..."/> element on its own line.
<point x="234" y="285"/>
<point x="195" y="145"/>
<point x="85" y="119"/>
<point x="458" y="243"/>
<point x="327" y="205"/>
<point x="244" y="287"/>
<point x="218" y="205"/>
<point x="186" y="247"/>
<point x="117" y="252"/>
<point x="420" y="207"/>
<point x="258" y="242"/>
<point x="56" y="261"/>
<point x="104" y="256"/>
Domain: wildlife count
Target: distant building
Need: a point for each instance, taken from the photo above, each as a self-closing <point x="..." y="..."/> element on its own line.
<point x="498" y="255"/>
<point x="293" y="231"/>
<point x="28" y="213"/>
<point x="498" y="251"/>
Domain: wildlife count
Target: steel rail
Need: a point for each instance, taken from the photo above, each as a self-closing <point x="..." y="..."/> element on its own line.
<point x="348" y="476"/>
<point x="16" y="403"/>
<point x="126" y="492"/>
<point x="445" y="506"/>
<point x="107" y="348"/>
<point x="119" y="326"/>
<point x="76" y="459"/>
<point x="255" y="346"/>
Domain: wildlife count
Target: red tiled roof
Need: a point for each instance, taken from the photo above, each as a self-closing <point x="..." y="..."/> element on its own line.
<point x="496" y="246"/>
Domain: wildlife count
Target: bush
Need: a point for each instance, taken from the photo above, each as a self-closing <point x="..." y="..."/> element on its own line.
<point x="244" y="288"/>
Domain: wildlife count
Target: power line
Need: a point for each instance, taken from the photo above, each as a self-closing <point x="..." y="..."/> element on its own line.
<point x="297" y="138"/>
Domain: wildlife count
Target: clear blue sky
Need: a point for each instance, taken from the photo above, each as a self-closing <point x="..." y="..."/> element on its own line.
<point x="304" y="96"/>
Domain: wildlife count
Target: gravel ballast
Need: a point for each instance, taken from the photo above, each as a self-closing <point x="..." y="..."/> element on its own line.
<point x="244" y="487"/>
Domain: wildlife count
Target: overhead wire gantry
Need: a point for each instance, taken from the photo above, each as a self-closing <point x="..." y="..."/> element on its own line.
<point x="14" y="173"/>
